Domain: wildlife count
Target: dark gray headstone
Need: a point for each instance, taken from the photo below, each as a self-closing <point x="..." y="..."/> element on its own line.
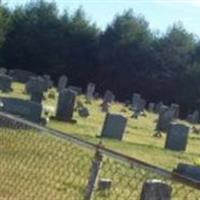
<point x="156" y="190"/>
<point x="166" y="116"/>
<point x="62" y="83"/>
<point x="104" y="184"/>
<point x="48" y="81"/>
<point x="90" y="91"/>
<point x="66" y="102"/>
<point x="26" y="109"/>
<point x="176" y="109"/>
<point x="3" y="70"/>
<point x="151" y="107"/>
<point x="108" y="97"/>
<point x="21" y="75"/>
<point x="136" y="101"/>
<point x="177" y="137"/>
<point x="5" y="83"/>
<point x="76" y="89"/>
<point x="189" y="171"/>
<point x="194" y="117"/>
<point x="114" y="126"/>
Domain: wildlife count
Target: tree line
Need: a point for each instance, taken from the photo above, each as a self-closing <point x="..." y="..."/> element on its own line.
<point x="126" y="57"/>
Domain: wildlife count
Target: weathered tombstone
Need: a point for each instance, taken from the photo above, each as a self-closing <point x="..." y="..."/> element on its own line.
<point x="84" y="112"/>
<point x="66" y="102"/>
<point x="108" y="97"/>
<point x="177" y="137"/>
<point x="90" y="92"/>
<point x="48" y="81"/>
<point x="166" y="116"/>
<point x="3" y="70"/>
<point x="189" y="171"/>
<point x="62" y="83"/>
<point x="151" y="107"/>
<point x="5" y="83"/>
<point x="26" y="109"/>
<point x="176" y="110"/>
<point x="114" y="126"/>
<point x="35" y="87"/>
<point x="136" y="101"/>
<point x="156" y="190"/>
<point x="194" y="117"/>
<point x="76" y="89"/>
<point x="21" y="75"/>
<point x="158" y="106"/>
<point x="105" y="107"/>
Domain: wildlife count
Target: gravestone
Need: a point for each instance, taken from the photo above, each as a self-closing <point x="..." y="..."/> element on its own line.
<point x="166" y="116"/>
<point x="194" y="117"/>
<point x="176" y="110"/>
<point x="48" y="81"/>
<point x="26" y="109"/>
<point x="105" y="107"/>
<point x="104" y="184"/>
<point x="3" y="70"/>
<point x="5" y="83"/>
<point x="136" y="101"/>
<point x="108" y="97"/>
<point x="90" y="92"/>
<point x="177" y="137"/>
<point x="62" y="83"/>
<point x="66" y="102"/>
<point x="151" y="107"/>
<point x="114" y="126"/>
<point x="189" y="171"/>
<point x="76" y="89"/>
<point x="156" y="190"/>
<point x="21" y="75"/>
<point x="35" y="87"/>
<point x="158" y="106"/>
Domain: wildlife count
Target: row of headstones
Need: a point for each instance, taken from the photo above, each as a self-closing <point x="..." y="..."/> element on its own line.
<point x="176" y="139"/>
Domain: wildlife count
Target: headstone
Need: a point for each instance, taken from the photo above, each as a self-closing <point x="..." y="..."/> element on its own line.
<point x="177" y="137"/>
<point x="189" y="171"/>
<point x="62" y="83"/>
<point x="90" y="92"/>
<point x="136" y="101"/>
<point x="84" y="112"/>
<point x="176" y="110"/>
<point x="194" y="117"/>
<point x="21" y="75"/>
<point x="35" y="87"/>
<point x="108" y="97"/>
<point x="48" y="81"/>
<point x="105" y="107"/>
<point x="158" y="106"/>
<point x="66" y="102"/>
<point x="151" y="107"/>
<point x="26" y="109"/>
<point x="114" y="126"/>
<point x="78" y="90"/>
<point x="5" y="83"/>
<point x="3" y="70"/>
<point x="156" y="190"/>
<point x="166" y="116"/>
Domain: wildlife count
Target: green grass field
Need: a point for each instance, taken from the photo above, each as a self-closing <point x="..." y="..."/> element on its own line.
<point x="36" y="165"/>
<point x="138" y="141"/>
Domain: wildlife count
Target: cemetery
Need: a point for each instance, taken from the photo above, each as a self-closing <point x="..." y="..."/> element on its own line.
<point x="83" y="115"/>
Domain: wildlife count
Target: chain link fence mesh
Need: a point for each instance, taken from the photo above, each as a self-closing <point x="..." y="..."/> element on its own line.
<point x="38" y="163"/>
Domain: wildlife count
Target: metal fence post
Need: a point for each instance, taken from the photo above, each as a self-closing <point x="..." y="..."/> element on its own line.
<point x="93" y="178"/>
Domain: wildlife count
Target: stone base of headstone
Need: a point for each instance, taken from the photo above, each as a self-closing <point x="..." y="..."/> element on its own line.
<point x="156" y="190"/>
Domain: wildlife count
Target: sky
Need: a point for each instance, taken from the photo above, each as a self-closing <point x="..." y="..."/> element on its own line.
<point x="159" y="13"/>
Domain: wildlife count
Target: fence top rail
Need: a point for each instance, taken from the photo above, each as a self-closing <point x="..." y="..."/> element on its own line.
<point x="105" y="151"/>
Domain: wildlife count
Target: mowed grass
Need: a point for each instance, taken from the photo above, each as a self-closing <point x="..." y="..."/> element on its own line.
<point x="36" y="165"/>
<point x="138" y="141"/>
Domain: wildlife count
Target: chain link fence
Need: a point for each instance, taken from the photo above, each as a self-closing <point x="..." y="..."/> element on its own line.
<point x="42" y="163"/>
